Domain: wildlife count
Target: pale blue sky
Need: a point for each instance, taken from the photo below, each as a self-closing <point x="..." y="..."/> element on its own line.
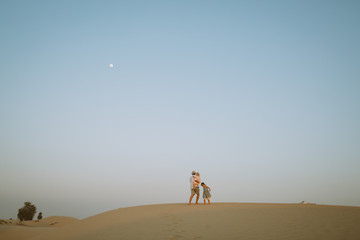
<point x="261" y="97"/>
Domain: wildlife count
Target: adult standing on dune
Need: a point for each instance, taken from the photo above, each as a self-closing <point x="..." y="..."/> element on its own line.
<point x="194" y="186"/>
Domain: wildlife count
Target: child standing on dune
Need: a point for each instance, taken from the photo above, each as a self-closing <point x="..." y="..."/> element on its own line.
<point x="206" y="192"/>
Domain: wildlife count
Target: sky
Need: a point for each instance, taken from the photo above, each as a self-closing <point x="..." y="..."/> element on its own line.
<point x="260" y="97"/>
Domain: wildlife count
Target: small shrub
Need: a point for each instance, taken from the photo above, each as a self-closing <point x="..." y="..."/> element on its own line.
<point x="27" y="212"/>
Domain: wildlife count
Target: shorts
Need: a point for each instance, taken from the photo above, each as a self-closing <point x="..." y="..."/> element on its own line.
<point x="195" y="190"/>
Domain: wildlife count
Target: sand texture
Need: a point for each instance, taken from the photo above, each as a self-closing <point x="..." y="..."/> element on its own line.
<point x="13" y="229"/>
<point x="216" y="221"/>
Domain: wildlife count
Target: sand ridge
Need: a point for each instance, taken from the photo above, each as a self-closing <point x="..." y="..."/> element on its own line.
<point x="215" y="221"/>
<point x="14" y="229"/>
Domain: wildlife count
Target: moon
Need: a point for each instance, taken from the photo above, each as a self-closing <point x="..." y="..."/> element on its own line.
<point x="111" y="65"/>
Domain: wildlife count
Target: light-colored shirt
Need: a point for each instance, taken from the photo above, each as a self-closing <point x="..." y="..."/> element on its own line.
<point x="192" y="181"/>
<point x="198" y="180"/>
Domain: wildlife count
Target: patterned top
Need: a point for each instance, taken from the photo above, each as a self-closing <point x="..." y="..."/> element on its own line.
<point x="206" y="193"/>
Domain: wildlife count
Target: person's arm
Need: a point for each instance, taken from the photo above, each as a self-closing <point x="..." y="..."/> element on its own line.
<point x="208" y="188"/>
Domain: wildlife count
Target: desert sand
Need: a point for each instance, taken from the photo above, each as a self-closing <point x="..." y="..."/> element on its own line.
<point x="215" y="221"/>
<point x="14" y="229"/>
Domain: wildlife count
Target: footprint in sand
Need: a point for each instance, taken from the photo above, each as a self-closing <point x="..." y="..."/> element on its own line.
<point x="197" y="237"/>
<point x="174" y="227"/>
<point x="175" y="237"/>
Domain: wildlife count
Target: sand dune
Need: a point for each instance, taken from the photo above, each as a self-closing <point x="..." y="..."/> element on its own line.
<point x="13" y="230"/>
<point x="54" y="221"/>
<point x="217" y="221"/>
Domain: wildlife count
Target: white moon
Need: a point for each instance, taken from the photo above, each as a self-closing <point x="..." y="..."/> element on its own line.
<point x="111" y="65"/>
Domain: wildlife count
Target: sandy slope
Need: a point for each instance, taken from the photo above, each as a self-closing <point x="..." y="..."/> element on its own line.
<point x="217" y="221"/>
<point x="14" y="230"/>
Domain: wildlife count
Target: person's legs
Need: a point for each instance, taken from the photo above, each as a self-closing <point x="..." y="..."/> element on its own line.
<point x="209" y="200"/>
<point x="197" y="192"/>
<point x="204" y="201"/>
<point x="197" y="198"/>
<point x="191" y="197"/>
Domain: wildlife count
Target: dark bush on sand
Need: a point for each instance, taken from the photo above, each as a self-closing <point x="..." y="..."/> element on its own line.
<point x="27" y="212"/>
